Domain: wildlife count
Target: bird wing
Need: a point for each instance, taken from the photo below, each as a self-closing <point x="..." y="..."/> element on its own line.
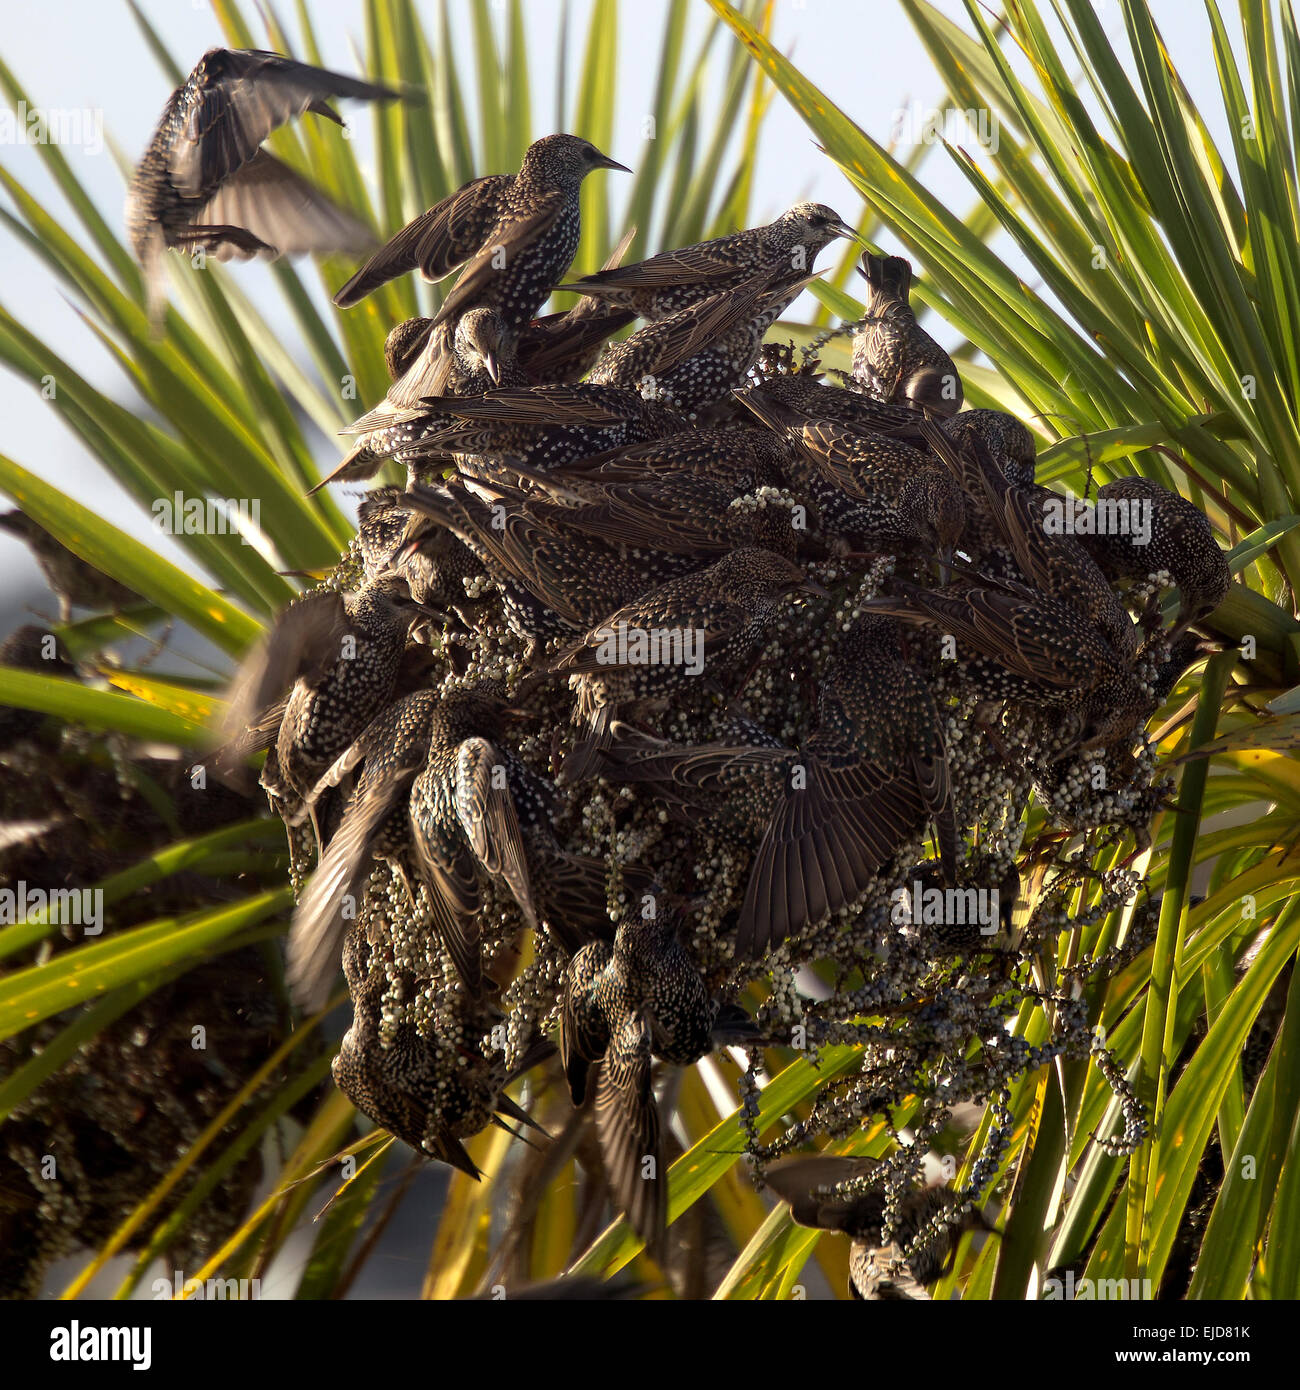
<point x="244" y="96"/>
<point x="436" y="242"/>
<point x="503" y="245"/>
<point x="796" y="1181"/>
<point x="689" y="265"/>
<point x="539" y="405"/>
<point x="487" y="811"/>
<point x="284" y="211"/>
<point x="627" y="1126"/>
<point x="307" y="635"/>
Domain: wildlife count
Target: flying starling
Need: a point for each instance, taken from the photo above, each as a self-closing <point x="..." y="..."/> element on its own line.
<point x="922" y="1245"/>
<point x="673" y="280"/>
<point x="429" y="1092"/>
<point x="75" y="582"/>
<point x="464" y="358"/>
<point x="1040" y="650"/>
<point x="546" y="426"/>
<point x="711" y="621"/>
<point x="205" y="181"/>
<point x="834" y="812"/>
<point x="622" y="1005"/>
<point x="326" y="669"/>
<point x="515" y="235"/>
<point x="894" y="358"/>
<point x="875" y="491"/>
<point x="1144" y="528"/>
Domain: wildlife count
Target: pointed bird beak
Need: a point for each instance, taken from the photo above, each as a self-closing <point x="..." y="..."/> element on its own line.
<point x="493" y="367"/>
<point x="945" y="566"/>
<point x="842" y="228"/>
<point x="607" y="163"/>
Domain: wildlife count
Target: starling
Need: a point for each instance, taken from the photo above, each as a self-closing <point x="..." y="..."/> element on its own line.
<point x="326" y="669"/>
<point x="961" y="927"/>
<point x="743" y="459"/>
<point x="694" y="357"/>
<point x="792" y="397"/>
<point x="894" y="358"/>
<point x="892" y="1271"/>
<point x="546" y="426"/>
<point x="710" y="621"/>
<point x="1049" y="558"/>
<point x="428" y="1092"/>
<point x="834" y="812"/>
<point x="75" y="582"/>
<point x="29" y="648"/>
<point x="1043" y="652"/>
<point x="875" y="491"/>
<point x="435" y="571"/>
<point x="404" y="344"/>
<point x="622" y="1005"/>
<point x="553" y="582"/>
<point x="515" y="235"/>
<point x="461" y="359"/>
<point x="673" y="280"/>
<point x="562" y="348"/>
<point x="1007" y="439"/>
<point x="204" y="179"/>
<point x="1142" y="528"/>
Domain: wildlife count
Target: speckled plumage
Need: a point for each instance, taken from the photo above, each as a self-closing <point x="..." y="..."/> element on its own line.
<point x="880" y="1271"/>
<point x="1180" y="541"/>
<point x="514" y="234"/>
<point x="622" y="1005"/>
<point x="894" y="358"/>
<point x="461" y="358"/>
<point x="435" y="570"/>
<point x="724" y="611"/>
<point x="672" y="280"/>
<point x="204" y="179"/>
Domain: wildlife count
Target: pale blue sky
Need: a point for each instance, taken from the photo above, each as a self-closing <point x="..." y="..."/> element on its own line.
<point x="88" y="53"/>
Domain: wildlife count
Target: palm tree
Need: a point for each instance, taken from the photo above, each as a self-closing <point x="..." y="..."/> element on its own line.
<point x="1156" y="340"/>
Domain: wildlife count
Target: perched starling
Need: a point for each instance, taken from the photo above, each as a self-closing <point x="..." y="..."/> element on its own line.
<point x="694" y="357"/>
<point x="1009" y="442"/>
<point x="464" y="358"/>
<point x="1143" y="528"/>
<point x="405" y="342"/>
<point x="29" y="648"/>
<point x="515" y="235"/>
<point x="1043" y="651"/>
<point x="792" y="397"/>
<point x="922" y="1244"/>
<point x="894" y="358"/>
<point x="428" y="1092"/>
<point x="553" y="582"/>
<point x="562" y="348"/>
<point x="435" y="571"/>
<point x="741" y="458"/>
<point x="1048" y="557"/>
<point x="428" y="762"/>
<point x="205" y="181"/>
<point x="875" y="491"/>
<point x="623" y="1005"/>
<point x="710" y="621"/>
<point x="832" y="813"/>
<point x="666" y="283"/>
<point x="326" y="669"/>
<point x="983" y="888"/>
<point x="75" y="582"/>
<point x="546" y="426"/>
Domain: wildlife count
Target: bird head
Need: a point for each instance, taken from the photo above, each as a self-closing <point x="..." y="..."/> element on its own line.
<point x="566" y="159"/>
<point x="814" y="225"/>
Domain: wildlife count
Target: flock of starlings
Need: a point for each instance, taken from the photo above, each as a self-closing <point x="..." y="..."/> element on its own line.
<point x="650" y="688"/>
